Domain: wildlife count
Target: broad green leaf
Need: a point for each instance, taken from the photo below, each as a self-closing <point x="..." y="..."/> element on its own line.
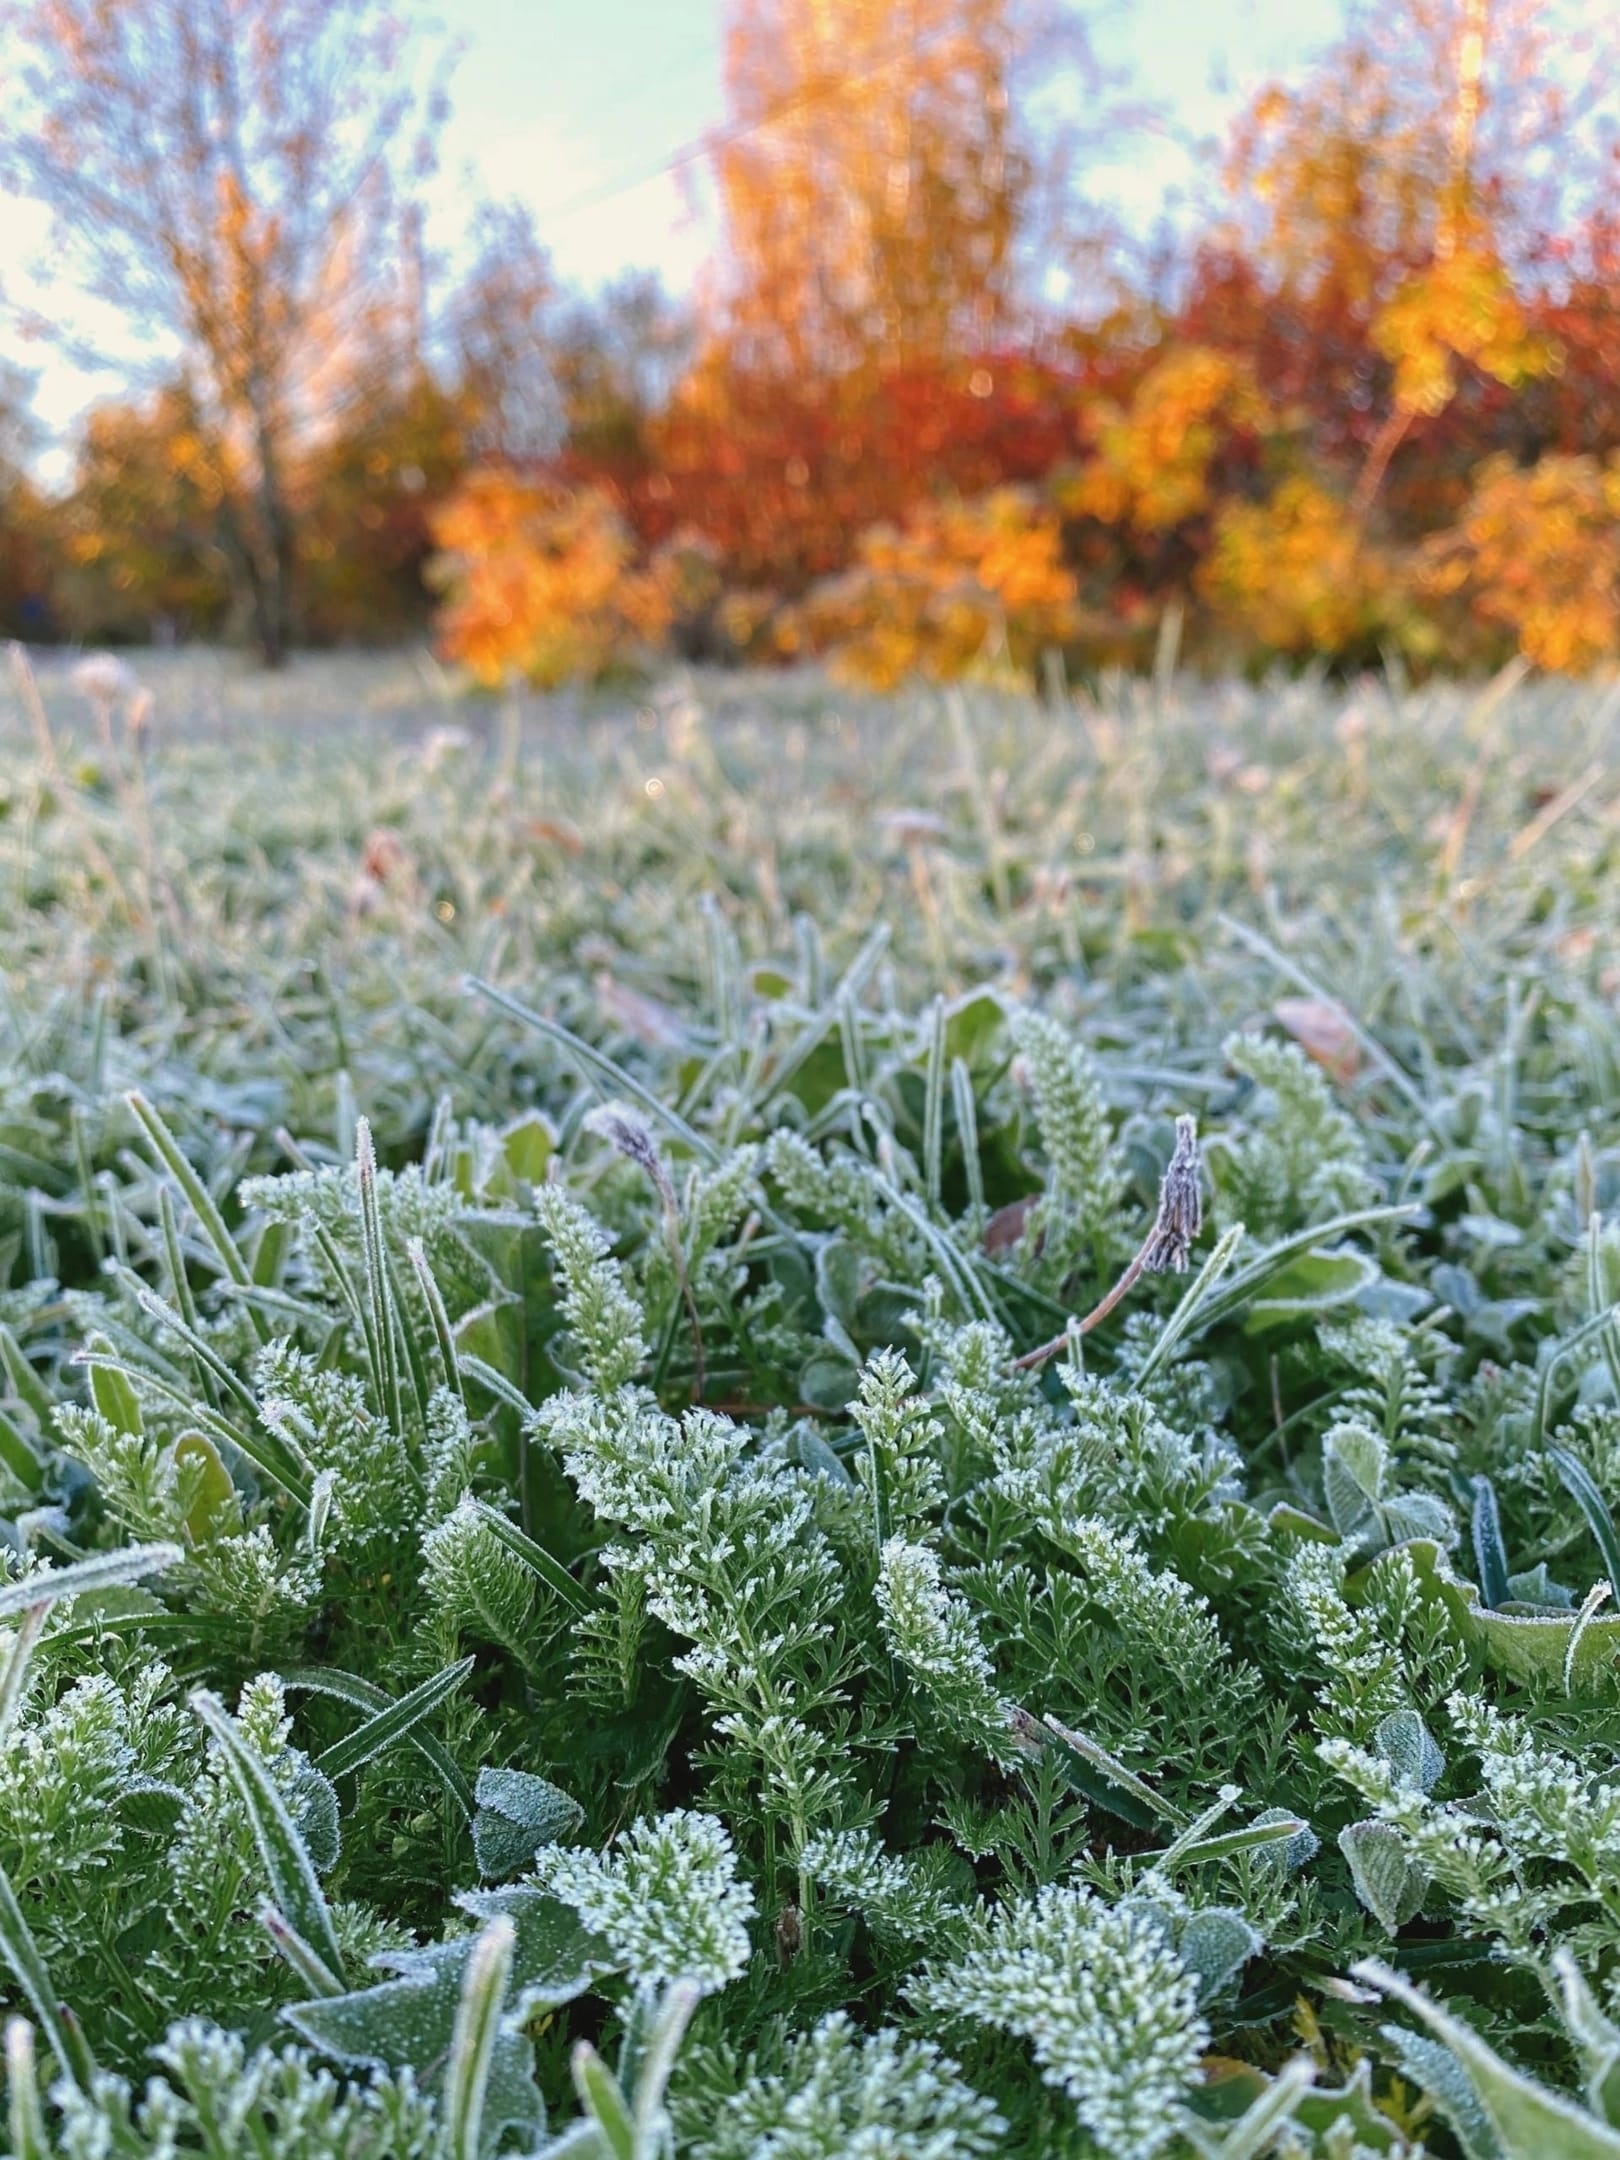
<point x="517" y="1814"/>
<point x="1312" y="1283"/>
<point x="1215" y="1944"/>
<point x="828" y="1381"/>
<point x="115" y="1398"/>
<point x="1388" y="1881"/>
<point x="1407" y="1746"/>
<point x="1531" y="2121"/>
<point x="409" y="2024"/>
<point x="1529" y="1647"/>
<point x="1353" y="1461"/>
<point x="215" y="1505"/>
<point x="527" y="1146"/>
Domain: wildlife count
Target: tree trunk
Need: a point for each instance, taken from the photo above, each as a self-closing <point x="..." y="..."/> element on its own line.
<point x="276" y="533"/>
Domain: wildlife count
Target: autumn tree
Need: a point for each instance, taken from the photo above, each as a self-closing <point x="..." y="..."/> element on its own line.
<point x="141" y="524"/>
<point x="229" y="176"/>
<point x="900" y="200"/>
<point x="1394" y="215"/>
<point x="497" y="331"/>
<point x="885" y="194"/>
<point x="29" y="554"/>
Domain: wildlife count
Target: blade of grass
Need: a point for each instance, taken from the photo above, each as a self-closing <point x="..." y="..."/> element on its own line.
<point x="294" y="1883"/>
<point x="386" y="1728"/>
<point x="361" y="1694"/>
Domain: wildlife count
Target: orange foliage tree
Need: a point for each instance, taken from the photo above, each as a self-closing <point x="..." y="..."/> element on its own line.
<point x="875" y="331"/>
<point x="974" y="588"/>
<point x="1536" y="554"/>
<point x="928" y="413"/>
<point x="539" y="582"/>
<point x="1295" y="575"/>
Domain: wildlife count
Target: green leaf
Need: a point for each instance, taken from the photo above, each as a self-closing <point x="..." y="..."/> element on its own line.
<point x="394" y="1723"/>
<point x="26" y="1384"/>
<point x="841" y="1272"/>
<point x="1407" y="1745"/>
<point x="62" y="2031"/>
<point x="1282" y="1830"/>
<point x="1102" y="1777"/>
<point x="19" y="1455"/>
<point x="382" y="1325"/>
<point x="1261" y="1272"/>
<point x="1595" y="2035"/>
<point x="527" y="1146"/>
<point x="1311" y="1284"/>
<point x="828" y="1381"/>
<point x="1388" y="1881"/>
<point x="365" y="1695"/>
<point x="1577" y="1482"/>
<point x="602" y="2100"/>
<point x="409" y="2024"/>
<point x="102" y="1571"/>
<point x="408" y="2020"/>
<point x="1353" y="1462"/>
<point x="25" y="2111"/>
<point x="1490" y="1554"/>
<point x="1215" y="1944"/>
<point x="166" y="1149"/>
<point x="116" y="1399"/>
<point x="1530" y="1647"/>
<point x="517" y="1814"/>
<point x="215" y="1504"/>
<point x="534" y="1556"/>
<point x="294" y="1883"/>
<point x="473" y="2037"/>
<point x="1531" y="2121"/>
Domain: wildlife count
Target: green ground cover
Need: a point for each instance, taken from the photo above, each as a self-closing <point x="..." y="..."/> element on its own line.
<point x="591" y="1562"/>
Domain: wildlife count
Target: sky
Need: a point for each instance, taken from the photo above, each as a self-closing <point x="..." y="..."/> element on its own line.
<point x="579" y="107"/>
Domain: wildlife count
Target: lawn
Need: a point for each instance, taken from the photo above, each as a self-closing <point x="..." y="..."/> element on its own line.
<point x="643" y="1520"/>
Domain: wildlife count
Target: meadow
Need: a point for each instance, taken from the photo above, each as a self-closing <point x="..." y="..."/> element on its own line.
<point x="656" y="1503"/>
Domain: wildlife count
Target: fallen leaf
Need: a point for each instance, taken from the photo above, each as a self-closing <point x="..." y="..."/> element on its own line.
<point x="1323" y="1031"/>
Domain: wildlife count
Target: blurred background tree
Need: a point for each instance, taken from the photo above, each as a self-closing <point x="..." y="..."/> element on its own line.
<point x="935" y="404"/>
<point x="232" y="180"/>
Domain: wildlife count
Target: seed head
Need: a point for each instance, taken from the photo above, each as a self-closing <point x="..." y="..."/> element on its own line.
<point x="1181" y="1205"/>
<point x="626" y="1130"/>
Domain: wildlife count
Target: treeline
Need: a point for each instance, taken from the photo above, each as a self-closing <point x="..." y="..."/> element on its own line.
<point x="937" y="410"/>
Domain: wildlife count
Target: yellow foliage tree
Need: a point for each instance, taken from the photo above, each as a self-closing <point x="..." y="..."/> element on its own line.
<point x="966" y="589"/>
<point x="1295" y="575"/>
<point x="1151" y="467"/>
<point x="873" y="179"/>
<point x="1461" y="307"/>
<point x="1536" y="553"/>
<point x="540" y="582"/>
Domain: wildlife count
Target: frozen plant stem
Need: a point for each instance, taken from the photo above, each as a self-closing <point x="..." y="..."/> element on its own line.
<point x="1165" y="1249"/>
<point x="624" y="1129"/>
